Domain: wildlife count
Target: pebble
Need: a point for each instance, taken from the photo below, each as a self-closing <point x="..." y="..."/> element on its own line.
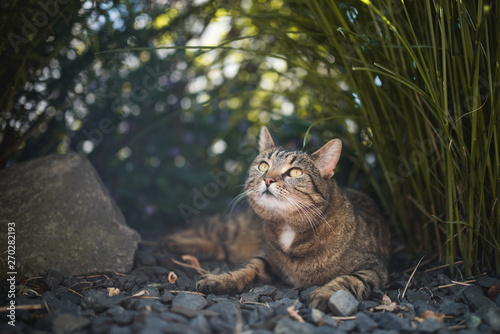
<point x="342" y="303"/>
<point x="190" y="301"/>
<point x="289" y="326"/>
<point x="82" y="304"/>
<point x="364" y="323"/>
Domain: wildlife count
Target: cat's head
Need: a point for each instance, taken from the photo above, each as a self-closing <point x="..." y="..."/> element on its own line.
<point x="291" y="185"/>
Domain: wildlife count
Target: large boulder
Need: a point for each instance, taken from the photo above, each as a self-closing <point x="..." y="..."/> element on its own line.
<point x="64" y="219"/>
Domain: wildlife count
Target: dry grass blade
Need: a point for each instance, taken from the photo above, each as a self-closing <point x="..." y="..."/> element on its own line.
<point x="23" y="307"/>
<point x="453" y="283"/>
<point x="198" y="269"/>
<point x="190" y="292"/>
<point x="411" y="276"/>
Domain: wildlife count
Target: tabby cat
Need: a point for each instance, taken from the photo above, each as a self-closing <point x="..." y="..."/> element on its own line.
<point x="312" y="232"/>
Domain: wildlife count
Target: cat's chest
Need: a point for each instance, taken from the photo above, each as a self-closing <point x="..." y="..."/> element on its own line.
<point x="286" y="237"/>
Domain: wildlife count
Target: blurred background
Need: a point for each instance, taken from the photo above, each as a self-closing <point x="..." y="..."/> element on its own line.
<point x="166" y="99"/>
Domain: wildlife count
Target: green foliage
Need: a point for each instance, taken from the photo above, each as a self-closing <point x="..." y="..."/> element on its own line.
<point x="425" y="77"/>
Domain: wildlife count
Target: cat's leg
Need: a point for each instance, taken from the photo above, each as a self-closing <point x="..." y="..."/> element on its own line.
<point x="359" y="284"/>
<point x="193" y="242"/>
<point x="256" y="272"/>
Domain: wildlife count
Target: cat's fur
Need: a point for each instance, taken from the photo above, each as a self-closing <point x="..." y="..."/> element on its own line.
<point x="315" y="233"/>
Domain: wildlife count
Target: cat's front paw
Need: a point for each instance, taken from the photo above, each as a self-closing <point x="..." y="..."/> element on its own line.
<point x="319" y="298"/>
<point x="217" y="284"/>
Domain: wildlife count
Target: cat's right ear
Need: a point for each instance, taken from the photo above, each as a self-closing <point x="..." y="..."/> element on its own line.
<point x="265" y="140"/>
<point x="326" y="158"/>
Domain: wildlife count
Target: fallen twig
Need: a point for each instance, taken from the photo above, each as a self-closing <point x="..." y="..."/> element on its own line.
<point x="191" y="292"/>
<point x="453" y="283"/>
<point x="443" y="266"/>
<point x="198" y="269"/>
<point x="294" y="314"/>
<point x="411" y="276"/>
<point x="353" y="317"/>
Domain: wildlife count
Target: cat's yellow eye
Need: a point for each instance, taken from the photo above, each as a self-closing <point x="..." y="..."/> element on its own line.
<point x="295" y="172"/>
<point x="264" y="166"/>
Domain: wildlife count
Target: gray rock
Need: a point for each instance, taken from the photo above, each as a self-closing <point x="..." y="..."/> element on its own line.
<point x="68" y="323"/>
<point x="364" y="323"/>
<point x="190" y="301"/>
<point x="285" y="293"/>
<point x="487" y="281"/>
<point x="166" y="297"/>
<point x="422" y="306"/>
<point x="430" y="326"/>
<point x="473" y="296"/>
<point x="452" y="308"/>
<point x="491" y="315"/>
<point x="265" y="290"/>
<point x="64" y="217"/>
<point x="314" y="315"/>
<point x="289" y="326"/>
<point x="250" y="297"/>
<point x="342" y="303"/>
<point x="226" y="310"/>
<point x="391" y="321"/>
<point x="347" y="326"/>
<point x="200" y="324"/>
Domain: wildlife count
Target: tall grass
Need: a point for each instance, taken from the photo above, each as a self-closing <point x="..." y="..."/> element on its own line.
<point x="427" y="77"/>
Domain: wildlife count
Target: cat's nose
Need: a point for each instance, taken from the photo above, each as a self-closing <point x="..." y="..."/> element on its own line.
<point x="269" y="180"/>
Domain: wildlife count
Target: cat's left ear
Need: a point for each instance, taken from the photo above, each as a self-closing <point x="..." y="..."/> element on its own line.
<point x="326" y="158"/>
<point x="265" y="140"/>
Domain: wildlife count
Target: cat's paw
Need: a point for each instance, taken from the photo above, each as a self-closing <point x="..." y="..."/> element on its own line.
<point x="319" y="298"/>
<point x="217" y="284"/>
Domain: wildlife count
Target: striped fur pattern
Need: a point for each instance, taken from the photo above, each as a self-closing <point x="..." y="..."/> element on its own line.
<point x="315" y="233"/>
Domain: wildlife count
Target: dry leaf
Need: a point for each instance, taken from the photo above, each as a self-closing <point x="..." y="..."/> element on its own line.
<point x="113" y="292"/>
<point x="494" y="291"/>
<point x="140" y="293"/>
<point x="386" y="300"/>
<point x="192" y="260"/>
<point x="391" y="307"/>
<point x="430" y="315"/>
<point x="172" y="277"/>
<point x="294" y="314"/>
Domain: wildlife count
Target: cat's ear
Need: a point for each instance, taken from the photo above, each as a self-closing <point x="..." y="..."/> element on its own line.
<point x="326" y="158"/>
<point x="265" y="140"/>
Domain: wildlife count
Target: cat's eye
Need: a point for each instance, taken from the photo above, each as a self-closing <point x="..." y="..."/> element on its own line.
<point x="295" y="172"/>
<point x="263" y="166"/>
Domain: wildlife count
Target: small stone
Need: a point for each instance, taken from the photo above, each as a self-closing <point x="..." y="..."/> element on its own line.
<point x="115" y="329"/>
<point x="143" y="258"/>
<point x="391" y="321"/>
<point x="265" y="290"/>
<point x="53" y="278"/>
<point x="421" y="306"/>
<point x="367" y="305"/>
<point x="191" y="301"/>
<point x="347" y="326"/>
<point x="304" y="295"/>
<point x="377" y="294"/>
<point x="289" y="326"/>
<point x="174" y="317"/>
<point x="430" y="326"/>
<point x="249" y="297"/>
<point x="200" y="324"/>
<point x="497" y="300"/>
<point x="452" y="308"/>
<point x="472" y="321"/>
<point x="491" y="315"/>
<point x="94" y="298"/>
<point x="290" y="302"/>
<point x="226" y="310"/>
<point x="314" y="315"/>
<point x="412" y="296"/>
<point x="365" y="323"/>
<point x="487" y="281"/>
<point x="68" y="323"/>
<point x="473" y="296"/>
<point x="141" y="279"/>
<point x="166" y="297"/>
<point x="342" y="303"/>
<point x="285" y="293"/>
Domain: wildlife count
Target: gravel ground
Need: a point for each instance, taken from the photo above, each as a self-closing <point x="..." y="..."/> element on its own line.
<point x="151" y="300"/>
